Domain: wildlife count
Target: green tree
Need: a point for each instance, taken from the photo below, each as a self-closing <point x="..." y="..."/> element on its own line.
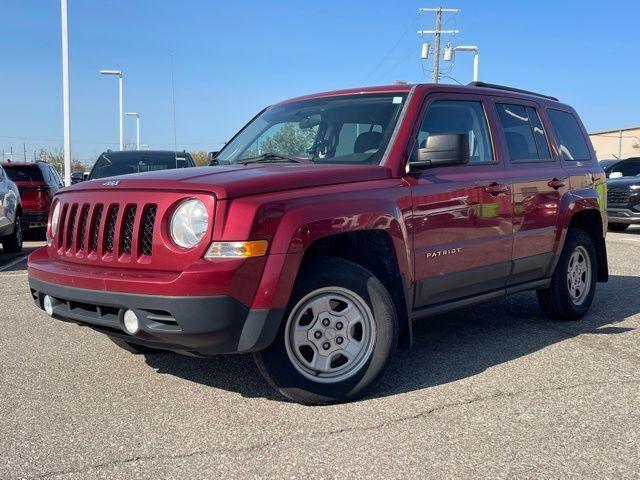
<point x="290" y="140"/>
<point x="201" y="158"/>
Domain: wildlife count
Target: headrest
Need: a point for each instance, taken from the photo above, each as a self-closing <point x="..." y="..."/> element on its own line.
<point x="367" y="141"/>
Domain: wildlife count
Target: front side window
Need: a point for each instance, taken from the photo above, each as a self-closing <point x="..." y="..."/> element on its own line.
<point x="569" y="134"/>
<point x="445" y="117"/>
<point x="350" y="129"/>
<point x="523" y="132"/>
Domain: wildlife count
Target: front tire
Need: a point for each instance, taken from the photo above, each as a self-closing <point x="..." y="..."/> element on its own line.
<point x="339" y="331"/>
<point x="617" y="227"/>
<point x="573" y="283"/>
<point x="13" y="243"/>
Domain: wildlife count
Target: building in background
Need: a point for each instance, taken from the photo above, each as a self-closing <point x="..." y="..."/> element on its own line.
<point x="620" y="143"/>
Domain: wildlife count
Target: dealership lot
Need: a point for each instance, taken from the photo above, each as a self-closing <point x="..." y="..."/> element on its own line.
<point x="491" y="391"/>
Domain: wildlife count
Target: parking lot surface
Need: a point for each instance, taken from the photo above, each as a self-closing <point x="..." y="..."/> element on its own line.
<point x="491" y="391"/>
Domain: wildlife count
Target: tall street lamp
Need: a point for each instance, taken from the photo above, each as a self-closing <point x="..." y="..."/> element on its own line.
<point x="137" y="115"/>
<point x="119" y="74"/>
<point x="66" y="109"/>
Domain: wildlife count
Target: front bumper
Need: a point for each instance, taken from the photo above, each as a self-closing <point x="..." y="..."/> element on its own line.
<point x="195" y="325"/>
<point x="623" y="215"/>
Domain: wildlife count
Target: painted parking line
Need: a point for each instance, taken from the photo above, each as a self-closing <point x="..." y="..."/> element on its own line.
<point x="13" y="262"/>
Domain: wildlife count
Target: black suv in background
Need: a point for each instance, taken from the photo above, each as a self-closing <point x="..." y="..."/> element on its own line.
<point x="623" y="192"/>
<point x="112" y="164"/>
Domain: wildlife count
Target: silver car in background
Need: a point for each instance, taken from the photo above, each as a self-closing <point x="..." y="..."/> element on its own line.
<point x="10" y="215"/>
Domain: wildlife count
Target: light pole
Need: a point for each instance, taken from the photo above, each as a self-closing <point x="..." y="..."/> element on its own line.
<point x="449" y="53"/>
<point x="66" y="111"/>
<point x="137" y="115"/>
<point x="119" y="74"/>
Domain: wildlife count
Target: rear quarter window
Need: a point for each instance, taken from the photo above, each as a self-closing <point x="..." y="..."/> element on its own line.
<point x="571" y="141"/>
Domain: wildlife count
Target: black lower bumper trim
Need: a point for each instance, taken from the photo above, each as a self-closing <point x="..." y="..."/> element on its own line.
<point x="194" y="325"/>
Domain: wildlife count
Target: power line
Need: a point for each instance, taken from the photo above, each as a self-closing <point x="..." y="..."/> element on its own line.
<point x="391" y="50"/>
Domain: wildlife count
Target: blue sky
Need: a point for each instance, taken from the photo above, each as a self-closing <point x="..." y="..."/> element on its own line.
<point x="233" y="58"/>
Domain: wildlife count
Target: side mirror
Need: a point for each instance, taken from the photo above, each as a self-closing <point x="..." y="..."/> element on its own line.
<point x="446" y="149"/>
<point x="615" y="175"/>
<point x="212" y="158"/>
<point x="77" y="177"/>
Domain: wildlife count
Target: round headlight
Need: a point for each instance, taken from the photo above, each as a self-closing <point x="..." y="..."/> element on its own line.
<point x="55" y="217"/>
<point x="189" y="223"/>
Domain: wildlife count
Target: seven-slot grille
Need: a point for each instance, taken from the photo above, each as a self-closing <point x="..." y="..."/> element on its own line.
<point x="100" y="229"/>
<point x="617" y="197"/>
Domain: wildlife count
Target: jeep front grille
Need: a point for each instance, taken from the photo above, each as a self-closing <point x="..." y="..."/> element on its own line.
<point x="147" y="233"/>
<point x="125" y="229"/>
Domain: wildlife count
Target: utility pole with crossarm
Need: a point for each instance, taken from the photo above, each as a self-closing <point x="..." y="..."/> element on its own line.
<point x="437" y="32"/>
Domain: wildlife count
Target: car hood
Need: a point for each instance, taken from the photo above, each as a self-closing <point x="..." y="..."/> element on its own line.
<point x="230" y="181"/>
<point x="623" y="181"/>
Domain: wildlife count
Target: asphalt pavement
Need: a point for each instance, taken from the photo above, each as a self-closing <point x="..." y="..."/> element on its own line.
<point x="491" y="391"/>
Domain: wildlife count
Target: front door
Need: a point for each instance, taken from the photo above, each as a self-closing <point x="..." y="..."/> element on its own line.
<point x="462" y="214"/>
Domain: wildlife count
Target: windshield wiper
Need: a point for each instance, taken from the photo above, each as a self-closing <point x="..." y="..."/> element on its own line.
<point x="267" y="158"/>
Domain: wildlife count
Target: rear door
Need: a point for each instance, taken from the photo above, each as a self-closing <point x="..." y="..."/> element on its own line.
<point x="461" y="218"/>
<point x="539" y="181"/>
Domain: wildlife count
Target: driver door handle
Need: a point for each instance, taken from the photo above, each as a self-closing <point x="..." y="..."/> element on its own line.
<point x="555" y="183"/>
<point x="496" y="188"/>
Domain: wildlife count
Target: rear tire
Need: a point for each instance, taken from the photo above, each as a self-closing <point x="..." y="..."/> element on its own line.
<point x="336" y="338"/>
<point x="573" y="283"/>
<point x="13" y="243"/>
<point x="617" y="227"/>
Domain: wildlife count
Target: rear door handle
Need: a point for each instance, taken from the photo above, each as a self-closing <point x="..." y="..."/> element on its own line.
<point x="496" y="188"/>
<point x="555" y="183"/>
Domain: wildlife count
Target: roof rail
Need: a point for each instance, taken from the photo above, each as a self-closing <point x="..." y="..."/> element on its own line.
<point x="510" y="89"/>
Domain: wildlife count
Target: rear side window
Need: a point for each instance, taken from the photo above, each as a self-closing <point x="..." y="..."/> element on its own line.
<point x="523" y="132"/>
<point x="24" y="174"/>
<point x="570" y="139"/>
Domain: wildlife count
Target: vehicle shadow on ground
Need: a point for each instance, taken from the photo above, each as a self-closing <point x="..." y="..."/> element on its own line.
<point x="447" y="347"/>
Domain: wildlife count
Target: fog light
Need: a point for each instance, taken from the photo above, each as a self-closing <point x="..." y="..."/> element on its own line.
<point x="131" y="323"/>
<point x="48" y="305"/>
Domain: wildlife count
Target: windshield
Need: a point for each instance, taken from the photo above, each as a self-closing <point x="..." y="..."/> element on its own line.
<point x="352" y="129"/>
<point x="623" y="168"/>
<point x="111" y="164"/>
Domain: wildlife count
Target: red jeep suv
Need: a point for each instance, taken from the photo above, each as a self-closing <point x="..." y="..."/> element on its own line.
<point x="330" y="224"/>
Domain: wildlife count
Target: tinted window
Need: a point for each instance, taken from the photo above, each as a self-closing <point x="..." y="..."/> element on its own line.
<point x="538" y="133"/>
<point x="569" y="134"/>
<point x="627" y="169"/>
<point x="523" y="132"/>
<point x="462" y="117"/>
<point x="121" y="163"/>
<point x="24" y="173"/>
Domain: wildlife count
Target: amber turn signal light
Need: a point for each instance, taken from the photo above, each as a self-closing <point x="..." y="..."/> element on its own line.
<point x="253" y="248"/>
